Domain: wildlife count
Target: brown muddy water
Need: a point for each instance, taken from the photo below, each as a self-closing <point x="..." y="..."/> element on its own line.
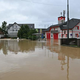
<point x="34" y="60"/>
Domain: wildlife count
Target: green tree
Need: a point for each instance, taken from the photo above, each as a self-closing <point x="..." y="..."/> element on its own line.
<point x="24" y="31"/>
<point x="31" y="36"/>
<point x="4" y="27"/>
<point x="1" y="29"/>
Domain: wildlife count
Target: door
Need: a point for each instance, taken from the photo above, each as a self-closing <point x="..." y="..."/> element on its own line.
<point x="55" y="35"/>
<point x="48" y="35"/>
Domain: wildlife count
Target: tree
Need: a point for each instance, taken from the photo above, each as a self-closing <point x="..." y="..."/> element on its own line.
<point x="24" y="31"/>
<point x="31" y="36"/>
<point x="32" y="31"/>
<point x="4" y="27"/>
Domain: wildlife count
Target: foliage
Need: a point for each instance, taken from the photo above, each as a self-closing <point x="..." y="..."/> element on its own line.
<point x="26" y="32"/>
<point x="33" y="37"/>
<point x="14" y="38"/>
<point x="1" y="29"/>
<point x="4" y="27"/>
<point x="23" y="32"/>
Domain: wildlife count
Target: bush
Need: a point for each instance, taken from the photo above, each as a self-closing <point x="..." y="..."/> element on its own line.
<point x="14" y="37"/>
<point x="32" y="37"/>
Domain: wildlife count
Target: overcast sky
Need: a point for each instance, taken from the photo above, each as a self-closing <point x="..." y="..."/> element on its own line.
<point x="40" y="12"/>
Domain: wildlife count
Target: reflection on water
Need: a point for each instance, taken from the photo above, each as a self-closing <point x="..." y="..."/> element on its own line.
<point x="17" y="46"/>
<point x="64" y="53"/>
<point x="49" y="60"/>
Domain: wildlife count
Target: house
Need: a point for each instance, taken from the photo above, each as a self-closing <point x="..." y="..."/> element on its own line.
<point x="59" y="30"/>
<point x="13" y="28"/>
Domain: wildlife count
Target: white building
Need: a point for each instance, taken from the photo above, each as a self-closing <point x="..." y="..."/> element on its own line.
<point x="13" y="29"/>
<point x="59" y="30"/>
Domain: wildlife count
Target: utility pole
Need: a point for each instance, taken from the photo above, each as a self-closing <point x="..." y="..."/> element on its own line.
<point x="67" y="22"/>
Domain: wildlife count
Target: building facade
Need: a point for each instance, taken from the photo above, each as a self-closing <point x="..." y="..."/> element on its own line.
<point x="14" y="28"/>
<point x="59" y="30"/>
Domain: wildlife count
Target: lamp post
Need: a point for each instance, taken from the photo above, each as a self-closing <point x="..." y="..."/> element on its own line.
<point x="67" y="22"/>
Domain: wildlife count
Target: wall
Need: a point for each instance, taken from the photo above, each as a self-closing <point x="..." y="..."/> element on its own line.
<point x="51" y="34"/>
<point x="76" y="31"/>
<point x="1" y="35"/>
<point x="13" y="30"/>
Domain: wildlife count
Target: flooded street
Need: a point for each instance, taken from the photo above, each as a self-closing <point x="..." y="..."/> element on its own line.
<point x="34" y="60"/>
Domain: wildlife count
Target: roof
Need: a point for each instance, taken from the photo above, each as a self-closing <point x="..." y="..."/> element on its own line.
<point x="21" y="25"/>
<point x="72" y="23"/>
<point x="52" y="26"/>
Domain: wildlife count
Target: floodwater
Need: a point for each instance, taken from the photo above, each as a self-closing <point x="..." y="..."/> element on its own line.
<point x="38" y="60"/>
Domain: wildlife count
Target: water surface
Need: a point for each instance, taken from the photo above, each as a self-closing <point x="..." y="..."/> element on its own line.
<point x="34" y="60"/>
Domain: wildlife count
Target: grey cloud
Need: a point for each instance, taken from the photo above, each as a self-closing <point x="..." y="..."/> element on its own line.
<point x="33" y="11"/>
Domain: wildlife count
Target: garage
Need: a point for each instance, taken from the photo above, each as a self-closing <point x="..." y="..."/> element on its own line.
<point x="48" y="35"/>
<point x="55" y="35"/>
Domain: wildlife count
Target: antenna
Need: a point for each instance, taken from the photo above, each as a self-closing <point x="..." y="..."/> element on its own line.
<point x="63" y="13"/>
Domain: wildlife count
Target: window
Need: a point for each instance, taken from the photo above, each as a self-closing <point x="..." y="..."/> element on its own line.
<point x="79" y="34"/>
<point x="77" y="27"/>
<point x="56" y="28"/>
<point x="70" y="34"/>
<point x="76" y="35"/>
<point x="13" y="28"/>
<point x="51" y="35"/>
<point x="66" y="35"/>
<point x="65" y="32"/>
<point x="62" y="35"/>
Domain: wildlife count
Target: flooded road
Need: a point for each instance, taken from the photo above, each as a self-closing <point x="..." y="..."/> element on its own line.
<point x="34" y="60"/>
